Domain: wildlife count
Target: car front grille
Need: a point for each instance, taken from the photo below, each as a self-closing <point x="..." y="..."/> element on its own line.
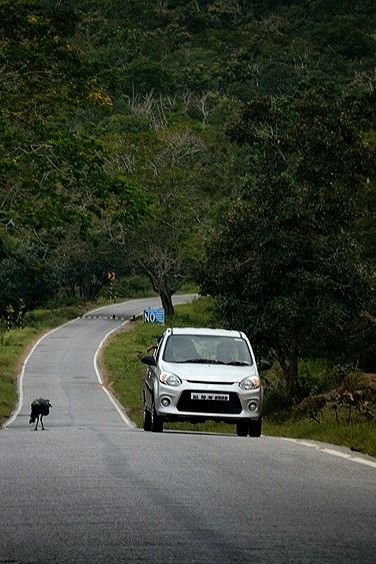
<point x="185" y="403"/>
<point x="211" y="382"/>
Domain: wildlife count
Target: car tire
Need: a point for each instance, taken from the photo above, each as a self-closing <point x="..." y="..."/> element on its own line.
<point x="242" y="428"/>
<point x="254" y="427"/>
<point x="147" y="419"/>
<point x="156" y="422"/>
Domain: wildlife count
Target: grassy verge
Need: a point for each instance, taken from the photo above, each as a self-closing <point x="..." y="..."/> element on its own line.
<point x="359" y="436"/>
<point x="124" y="373"/>
<point x="15" y="344"/>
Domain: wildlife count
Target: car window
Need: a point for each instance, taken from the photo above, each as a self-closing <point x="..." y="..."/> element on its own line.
<point x="180" y="348"/>
<point x="232" y="351"/>
<point x="207" y="349"/>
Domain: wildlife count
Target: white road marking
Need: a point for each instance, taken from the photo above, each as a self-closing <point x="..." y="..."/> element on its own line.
<point x="332" y="452"/>
<point x="124" y="417"/>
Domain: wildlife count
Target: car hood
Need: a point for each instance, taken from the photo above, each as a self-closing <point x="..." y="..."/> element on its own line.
<point x="222" y="373"/>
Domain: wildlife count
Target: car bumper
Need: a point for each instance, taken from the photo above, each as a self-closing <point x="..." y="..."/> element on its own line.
<point x="208" y="401"/>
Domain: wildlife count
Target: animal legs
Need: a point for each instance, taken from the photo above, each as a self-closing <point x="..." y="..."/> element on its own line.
<point x="36" y="426"/>
<point x="41" y="420"/>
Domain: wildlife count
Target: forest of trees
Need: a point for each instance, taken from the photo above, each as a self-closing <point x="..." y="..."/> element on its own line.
<point x="227" y="142"/>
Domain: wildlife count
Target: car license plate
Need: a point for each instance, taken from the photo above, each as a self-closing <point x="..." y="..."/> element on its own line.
<point x="210" y="397"/>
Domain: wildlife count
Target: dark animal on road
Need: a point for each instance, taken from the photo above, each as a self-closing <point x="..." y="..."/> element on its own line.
<point x="39" y="408"/>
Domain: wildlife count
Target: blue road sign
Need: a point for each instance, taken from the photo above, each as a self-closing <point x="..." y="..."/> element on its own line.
<point x="154" y="315"/>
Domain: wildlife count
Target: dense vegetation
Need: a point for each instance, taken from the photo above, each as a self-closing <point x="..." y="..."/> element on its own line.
<point x="230" y="142"/>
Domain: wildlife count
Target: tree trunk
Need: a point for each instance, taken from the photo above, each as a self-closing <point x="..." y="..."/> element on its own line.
<point x="160" y="285"/>
<point x="166" y="299"/>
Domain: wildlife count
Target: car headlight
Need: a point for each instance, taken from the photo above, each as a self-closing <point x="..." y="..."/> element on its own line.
<point x="250" y="383"/>
<point x="169" y="379"/>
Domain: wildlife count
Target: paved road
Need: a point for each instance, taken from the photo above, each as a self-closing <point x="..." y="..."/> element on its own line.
<point x="93" y="489"/>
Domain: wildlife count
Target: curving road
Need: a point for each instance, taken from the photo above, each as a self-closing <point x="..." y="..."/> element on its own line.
<point x="92" y="488"/>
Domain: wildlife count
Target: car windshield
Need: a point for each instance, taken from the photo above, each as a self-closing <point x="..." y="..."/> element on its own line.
<point x="207" y="349"/>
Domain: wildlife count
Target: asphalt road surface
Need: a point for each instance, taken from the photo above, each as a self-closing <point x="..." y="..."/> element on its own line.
<point x="92" y="488"/>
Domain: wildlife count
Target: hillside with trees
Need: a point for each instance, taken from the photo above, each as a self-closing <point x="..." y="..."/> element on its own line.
<point x="226" y="142"/>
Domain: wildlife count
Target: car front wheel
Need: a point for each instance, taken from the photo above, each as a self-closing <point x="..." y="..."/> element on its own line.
<point x="147" y="419"/>
<point x="254" y="427"/>
<point x="156" y="421"/>
<point x="242" y="428"/>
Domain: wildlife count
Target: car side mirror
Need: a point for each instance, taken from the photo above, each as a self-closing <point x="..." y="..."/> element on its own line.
<point x="264" y="365"/>
<point x="149" y="360"/>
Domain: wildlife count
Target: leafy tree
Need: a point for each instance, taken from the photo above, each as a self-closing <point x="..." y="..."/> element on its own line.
<point x="51" y="175"/>
<point x="27" y="278"/>
<point x="173" y="177"/>
<point x="143" y="76"/>
<point x="282" y="262"/>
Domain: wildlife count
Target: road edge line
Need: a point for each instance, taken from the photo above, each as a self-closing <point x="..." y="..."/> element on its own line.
<point x="331" y="451"/>
<point x="110" y="396"/>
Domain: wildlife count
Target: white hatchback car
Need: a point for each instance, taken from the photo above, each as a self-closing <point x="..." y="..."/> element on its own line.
<point x="203" y="374"/>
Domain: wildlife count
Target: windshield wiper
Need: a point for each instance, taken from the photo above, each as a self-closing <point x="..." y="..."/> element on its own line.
<point x="200" y="361"/>
<point x="203" y="361"/>
<point x="213" y="361"/>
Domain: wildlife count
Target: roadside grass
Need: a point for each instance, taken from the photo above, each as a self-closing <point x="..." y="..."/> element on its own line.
<point x="124" y="374"/>
<point x="359" y="436"/>
<point x="15" y="344"/>
<point x="334" y="420"/>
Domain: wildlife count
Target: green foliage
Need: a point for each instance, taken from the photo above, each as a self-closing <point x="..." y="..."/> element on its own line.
<point x="359" y="437"/>
<point x="26" y="278"/>
<point x="134" y="286"/>
<point x="287" y="238"/>
<point x="113" y="113"/>
<point x="144" y="75"/>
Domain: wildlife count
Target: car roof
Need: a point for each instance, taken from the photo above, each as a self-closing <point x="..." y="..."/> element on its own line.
<point x="203" y="331"/>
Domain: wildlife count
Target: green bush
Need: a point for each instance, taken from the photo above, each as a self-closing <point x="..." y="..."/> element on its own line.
<point x="135" y="286"/>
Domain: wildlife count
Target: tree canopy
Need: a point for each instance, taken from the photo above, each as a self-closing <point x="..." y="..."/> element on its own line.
<point x="294" y="279"/>
<point x="232" y="141"/>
